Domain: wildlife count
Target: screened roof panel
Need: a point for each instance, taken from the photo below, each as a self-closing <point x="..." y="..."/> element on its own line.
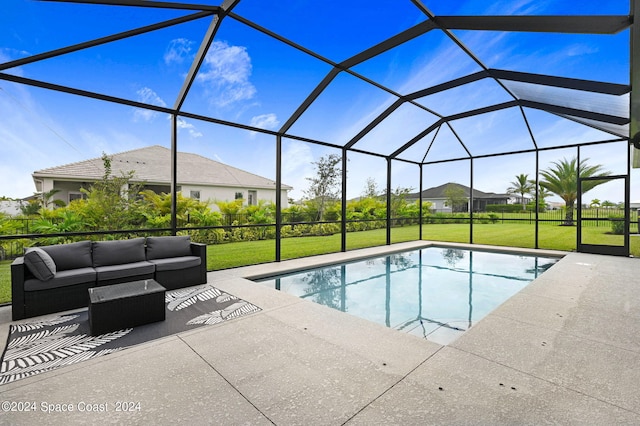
<point x="423" y="62"/>
<point x="326" y="71"/>
<point x="551" y="130"/>
<point x="614" y="129"/>
<point x="242" y="77"/>
<point x="466" y="97"/>
<point x="347" y="28"/>
<point x="563" y="55"/>
<point x="342" y="110"/>
<point x="418" y="150"/>
<point x="445" y="146"/>
<point x="398" y="128"/>
<point x="556" y="7"/>
<point x="614" y="105"/>
<point x="140" y="68"/>
<point x="494" y="132"/>
<point x="48" y="23"/>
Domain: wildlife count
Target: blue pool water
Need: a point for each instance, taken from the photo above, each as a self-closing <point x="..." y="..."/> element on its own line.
<point x="437" y="293"/>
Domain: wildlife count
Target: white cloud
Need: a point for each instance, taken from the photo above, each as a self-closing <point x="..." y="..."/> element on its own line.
<point x="183" y="124"/>
<point x="9" y="54"/>
<point x="178" y="51"/>
<point x="147" y="96"/>
<point x="296" y="166"/>
<point x="225" y="74"/>
<point x="264" y="121"/>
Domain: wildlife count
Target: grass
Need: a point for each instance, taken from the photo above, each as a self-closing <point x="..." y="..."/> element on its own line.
<point x="223" y="256"/>
<point x="230" y="255"/>
<point x="5" y="281"/>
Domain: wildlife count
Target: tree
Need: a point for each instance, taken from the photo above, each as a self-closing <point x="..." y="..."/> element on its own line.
<point x="456" y="198"/>
<point x="112" y="202"/>
<point x="521" y="186"/>
<point x="370" y="188"/>
<point x="398" y="200"/>
<point x="595" y="203"/>
<point x="41" y="200"/>
<point x="562" y="180"/>
<point x="324" y="186"/>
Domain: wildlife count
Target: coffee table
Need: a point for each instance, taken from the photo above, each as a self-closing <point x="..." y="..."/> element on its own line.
<point x="118" y="306"/>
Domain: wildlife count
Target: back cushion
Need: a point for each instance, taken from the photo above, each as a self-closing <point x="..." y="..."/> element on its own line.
<point x="117" y="252"/>
<point x="163" y="247"/>
<point x="40" y="263"/>
<point x="70" y="256"/>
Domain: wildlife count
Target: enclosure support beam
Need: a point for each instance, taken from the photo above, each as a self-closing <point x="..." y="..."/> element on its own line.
<point x="420" y="205"/>
<point x="470" y="200"/>
<point x="537" y="229"/>
<point x="174" y="174"/>
<point x="388" y="201"/>
<point x="343" y="219"/>
<point x="278" y="197"/>
<point x="634" y="79"/>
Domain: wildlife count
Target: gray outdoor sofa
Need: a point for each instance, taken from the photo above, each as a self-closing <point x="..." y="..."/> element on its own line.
<point x="57" y="278"/>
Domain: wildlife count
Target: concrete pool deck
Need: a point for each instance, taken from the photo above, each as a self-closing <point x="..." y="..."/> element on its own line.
<point x="564" y="350"/>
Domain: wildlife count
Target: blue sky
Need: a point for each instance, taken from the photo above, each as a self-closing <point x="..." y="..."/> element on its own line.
<point x="250" y="78"/>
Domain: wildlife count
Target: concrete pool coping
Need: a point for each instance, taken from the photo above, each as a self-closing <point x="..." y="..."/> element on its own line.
<point x="563" y="350"/>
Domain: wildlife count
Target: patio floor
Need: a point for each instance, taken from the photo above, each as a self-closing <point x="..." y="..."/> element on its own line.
<point x="565" y="350"/>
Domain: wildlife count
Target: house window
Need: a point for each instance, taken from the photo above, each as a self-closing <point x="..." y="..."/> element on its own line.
<point x="239" y="196"/>
<point x="75" y="196"/>
<point x="253" y="198"/>
<point x="194" y="194"/>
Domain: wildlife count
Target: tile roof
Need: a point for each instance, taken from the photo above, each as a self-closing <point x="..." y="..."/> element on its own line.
<point x="439" y="192"/>
<point x="153" y="165"/>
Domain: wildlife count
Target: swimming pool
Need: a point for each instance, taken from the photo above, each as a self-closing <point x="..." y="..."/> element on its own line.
<point x="436" y="293"/>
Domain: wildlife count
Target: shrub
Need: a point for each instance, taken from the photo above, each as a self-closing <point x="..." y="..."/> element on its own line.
<point x="506" y="208"/>
<point x="617" y="224"/>
<point x="208" y="236"/>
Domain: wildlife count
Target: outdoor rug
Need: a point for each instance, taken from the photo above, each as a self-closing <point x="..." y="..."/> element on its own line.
<point x="56" y="341"/>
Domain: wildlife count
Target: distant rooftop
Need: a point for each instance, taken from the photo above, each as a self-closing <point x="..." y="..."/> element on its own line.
<point x="439" y="192"/>
<point x="153" y="165"/>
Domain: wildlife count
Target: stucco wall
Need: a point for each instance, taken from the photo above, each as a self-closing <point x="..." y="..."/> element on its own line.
<point x="207" y="193"/>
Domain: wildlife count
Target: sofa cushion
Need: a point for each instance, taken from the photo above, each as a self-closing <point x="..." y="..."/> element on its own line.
<point x="70" y="256"/>
<point x="118" y="252"/>
<point x="163" y="247"/>
<point x="63" y="279"/>
<point x="176" y="263"/>
<point x="111" y="272"/>
<point x="40" y="263"/>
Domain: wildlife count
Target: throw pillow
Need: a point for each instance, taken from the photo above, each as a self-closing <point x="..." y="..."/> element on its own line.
<point x="163" y="247"/>
<point x="40" y="263"/>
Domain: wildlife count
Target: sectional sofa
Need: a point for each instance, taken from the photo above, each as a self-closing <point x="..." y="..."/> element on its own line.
<point x="56" y="278"/>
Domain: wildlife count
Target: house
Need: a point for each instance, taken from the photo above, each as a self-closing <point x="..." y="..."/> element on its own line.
<point x="198" y="177"/>
<point x="439" y="195"/>
<point x="9" y="207"/>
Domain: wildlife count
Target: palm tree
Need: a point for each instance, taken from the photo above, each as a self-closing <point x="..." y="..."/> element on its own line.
<point x="521" y="186"/>
<point x="562" y="180"/>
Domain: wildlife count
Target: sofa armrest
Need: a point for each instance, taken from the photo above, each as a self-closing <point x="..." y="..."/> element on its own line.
<point x="200" y="250"/>
<point x="18" y="270"/>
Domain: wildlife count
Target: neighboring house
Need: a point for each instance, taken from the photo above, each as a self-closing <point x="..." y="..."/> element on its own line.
<point x="198" y="177"/>
<point x="438" y="198"/>
<point x="10" y="207"/>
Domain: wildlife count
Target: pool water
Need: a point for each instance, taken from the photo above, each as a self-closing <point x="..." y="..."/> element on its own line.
<point x="436" y="293"/>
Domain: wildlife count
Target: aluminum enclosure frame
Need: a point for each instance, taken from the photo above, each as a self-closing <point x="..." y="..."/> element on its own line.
<point x="218" y="14"/>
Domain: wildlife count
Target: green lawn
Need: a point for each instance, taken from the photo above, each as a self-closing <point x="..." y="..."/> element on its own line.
<point x="231" y="255"/>
<point x="5" y="281"/>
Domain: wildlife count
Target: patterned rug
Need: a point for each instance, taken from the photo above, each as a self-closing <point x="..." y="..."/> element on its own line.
<point x="56" y="341"/>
